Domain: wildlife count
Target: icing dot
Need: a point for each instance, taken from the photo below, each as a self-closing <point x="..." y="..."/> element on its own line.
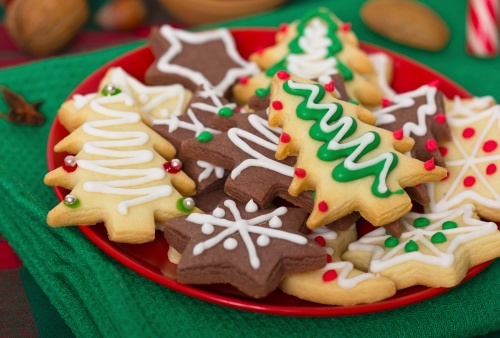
<point x="443" y="151"/>
<point x="300" y="173"/>
<point x="391" y="242"/>
<point x="434" y="83"/>
<point x="329" y="275"/>
<point x="440" y="118"/>
<point x="346" y="27"/>
<point x="469" y="181"/>
<point x="185" y="204"/>
<point x="411" y="246"/>
<point x="225" y="112"/>
<point x="449" y="225"/>
<point x="283" y="28"/>
<point x="330" y="86"/>
<point x="71" y="201"/>
<point x="320" y="240"/>
<point x="431" y="145"/>
<point x="110" y="89"/>
<point x="69" y="164"/>
<point x="218" y="212"/>
<point x="438" y="237"/>
<point x="259" y="50"/>
<point x="329" y="258"/>
<point x="398" y="134"/>
<point x="251" y="206"/>
<point x="322" y="206"/>
<point x="491" y="169"/>
<point x="446" y="176"/>
<point x="244" y="80"/>
<point x="277" y="105"/>
<point x="275" y="222"/>
<point x="263" y="240"/>
<point x="490" y="145"/>
<point x="429" y="165"/>
<point x="173" y="166"/>
<point x="230" y="243"/>
<point x="313" y="194"/>
<point x="205" y="136"/>
<point x="207" y="228"/>
<point x="421" y="222"/>
<point x="282" y="75"/>
<point x="285" y="138"/>
<point x="468" y="132"/>
<point x="386" y="102"/>
<point x="260" y="92"/>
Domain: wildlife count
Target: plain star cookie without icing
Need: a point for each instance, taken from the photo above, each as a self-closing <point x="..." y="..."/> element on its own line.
<point x="196" y="58"/>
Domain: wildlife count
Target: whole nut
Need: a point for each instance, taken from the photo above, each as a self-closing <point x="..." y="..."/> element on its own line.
<point x="122" y="15"/>
<point x="44" y="27"/>
<point x="407" y="22"/>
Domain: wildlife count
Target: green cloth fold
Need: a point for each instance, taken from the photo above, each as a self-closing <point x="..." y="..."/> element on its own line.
<point x="99" y="297"/>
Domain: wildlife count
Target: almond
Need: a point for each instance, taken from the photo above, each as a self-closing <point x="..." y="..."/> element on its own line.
<point x="122" y="15"/>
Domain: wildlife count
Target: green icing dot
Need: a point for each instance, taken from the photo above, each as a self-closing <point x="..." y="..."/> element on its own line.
<point x="391" y="242"/>
<point x="421" y="222"/>
<point x="438" y="237"/>
<point x="449" y="225"/>
<point x="313" y="194"/>
<point x="74" y="205"/>
<point x="205" y="136"/>
<point x="181" y="207"/>
<point x="411" y="246"/>
<point x="354" y="102"/>
<point x="106" y="93"/>
<point x="225" y="112"/>
<point x="261" y="92"/>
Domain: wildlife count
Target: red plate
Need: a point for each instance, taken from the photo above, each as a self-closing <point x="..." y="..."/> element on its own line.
<point x="150" y="260"/>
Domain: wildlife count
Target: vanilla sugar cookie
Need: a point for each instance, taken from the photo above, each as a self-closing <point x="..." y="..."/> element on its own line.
<point x="338" y="283"/>
<point x="118" y="174"/>
<point x="351" y="165"/>
<point x="472" y="159"/>
<point x="435" y="249"/>
<point x="459" y="107"/>
<point x="317" y="45"/>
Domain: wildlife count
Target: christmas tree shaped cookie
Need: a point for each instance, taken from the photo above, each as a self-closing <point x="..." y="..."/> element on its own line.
<point x="435" y="249"/>
<point x="119" y="175"/>
<point x="314" y="47"/>
<point x="351" y="165"/>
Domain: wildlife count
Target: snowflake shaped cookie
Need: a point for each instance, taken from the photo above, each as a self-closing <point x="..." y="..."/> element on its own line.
<point x="242" y="245"/>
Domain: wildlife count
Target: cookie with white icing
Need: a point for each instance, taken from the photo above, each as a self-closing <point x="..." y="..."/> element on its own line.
<point x="244" y="246"/>
<point x="338" y="282"/>
<point x="118" y="174"/>
<point x="435" y="249"/>
<point x="472" y="159"/>
<point x="460" y="107"/>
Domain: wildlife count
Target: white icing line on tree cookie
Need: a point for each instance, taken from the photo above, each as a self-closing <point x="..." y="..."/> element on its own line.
<point x="469" y="107"/>
<point x="381" y="64"/>
<point x="113" y="146"/>
<point x="471" y="229"/>
<point x="469" y="161"/>
<point x="174" y="36"/>
<point x="80" y="101"/>
<point x="244" y="227"/>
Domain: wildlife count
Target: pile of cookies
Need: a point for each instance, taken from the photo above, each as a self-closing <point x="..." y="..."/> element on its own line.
<point x="257" y="171"/>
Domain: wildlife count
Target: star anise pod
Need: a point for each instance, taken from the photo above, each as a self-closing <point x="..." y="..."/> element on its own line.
<point x="20" y="111"/>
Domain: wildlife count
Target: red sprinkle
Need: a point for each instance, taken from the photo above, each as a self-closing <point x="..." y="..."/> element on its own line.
<point x="443" y="151"/>
<point x="346" y="27"/>
<point x="244" y="80"/>
<point x="440" y="118"/>
<point x="283" y="28"/>
<point x="431" y="145"/>
<point x="329" y="275"/>
<point x="490" y="145"/>
<point x="320" y="240"/>
<point x="322" y="206"/>
<point x="259" y="50"/>
<point x="429" y="165"/>
<point x="398" y="134"/>
<point x="282" y="75"/>
<point x="328" y="258"/>
<point x="434" y="83"/>
<point x="277" y="105"/>
<point x="285" y="138"/>
<point x="330" y="86"/>
<point x="469" y="181"/>
<point x="386" y="102"/>
<point x="468" y="132"/>
<point x="300" y="173"/>
<point x="491" y="169"/>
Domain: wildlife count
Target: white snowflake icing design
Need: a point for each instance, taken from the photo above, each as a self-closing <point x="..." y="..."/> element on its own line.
<point x="469" y="162"/>
<point x="244" y="227"/>
<point x="175" y="36"/>
<point x="469" y="107"/>
<point x="465" y="228"/>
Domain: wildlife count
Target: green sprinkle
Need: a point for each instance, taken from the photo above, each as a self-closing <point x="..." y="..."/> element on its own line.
<point x="421" y="222"/>
<point x="225" y="112"/>
<point x="260" y="92"/>
<point x="354" y="102"/>
<point x="391" y="242"/>
<point x="205" y="136"/>
<point x="411" y="246"/>
<point x="438" y="237"/>
<point x="449" y="225"/>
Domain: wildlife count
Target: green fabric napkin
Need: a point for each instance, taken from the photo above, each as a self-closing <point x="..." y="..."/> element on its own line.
<point x="99" y="297"/>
